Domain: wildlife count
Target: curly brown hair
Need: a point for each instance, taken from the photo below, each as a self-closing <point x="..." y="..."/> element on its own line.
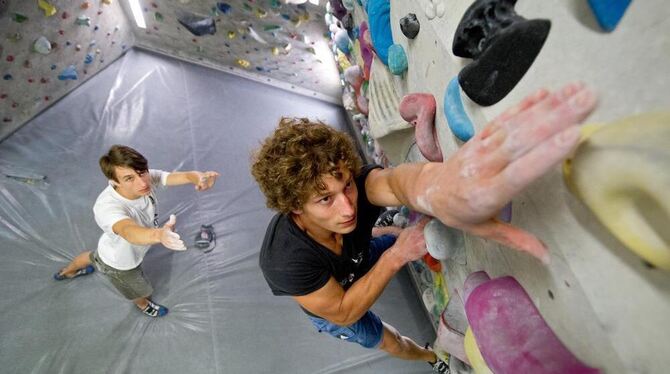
<point x="290" y="164"/>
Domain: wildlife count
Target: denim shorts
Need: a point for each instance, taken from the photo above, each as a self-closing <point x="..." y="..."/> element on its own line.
<point x="131" y="283"/>
<point x="367" y="331"/>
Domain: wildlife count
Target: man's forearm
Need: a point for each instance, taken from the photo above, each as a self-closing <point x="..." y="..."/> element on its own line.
<point x="360" y="297"/>
<point x="140" y="235"/>
<point x="182" y="177"/>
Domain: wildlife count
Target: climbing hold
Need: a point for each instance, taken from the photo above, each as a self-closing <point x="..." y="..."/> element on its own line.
<point x="474" y="354"/>
<point x="19" y="18"/>
<point x="397" y="59"/>
<point x="223" y="7"/>
<point x="348" y="4"/>
<point x="49" y="10"/>
<point x="260" y="13"/>
<point x="419" y="110"/>
<point x="65" y="15"/>
<point x="77" y="47"/>
<point x="505" y="214"/>
<point x="366" y="49"/>
<point x="69" y="73"/>
<point x="9" y="58"/>
<point x="88" y="59"/>
<point x="337" y="8"/>
<point x="231" y="34"/>
<point x="256" y="36"/>
<point x="243" y="63"/>
<point x="444" y="243"/>
<point x="107" y="2"/>
<point x="511" y="333"/>
<point x="42" y="45"/>
<point x="7" y="77"/>
<point x="271" y="27"/>
<point x="502" y="44"/>
<point x="379" y="16"/>
<point x="409" y="25"/>
<point x="384" y="115"/>
<point x="449" y="338"/>
<point x="620" y="172"/>
<point x="85" y="5"/>
<point x="83" y="21"/>
<point x="608" y="13"/>
<point x="342" y="41"/>
<point x="457" y="118"/>
<point x="197" y="25"/>
<point x="158" y="17"/>
<point x="15" y="37"/>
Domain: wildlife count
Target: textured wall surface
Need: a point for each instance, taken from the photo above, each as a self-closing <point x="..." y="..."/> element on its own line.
<point x="29" y="80"/>
<point x="282" y="44"/>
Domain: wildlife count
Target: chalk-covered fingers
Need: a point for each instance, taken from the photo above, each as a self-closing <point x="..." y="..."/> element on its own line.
<point x="411" y="244"/>
<point x="169" y="238"/>
<point x="510" y="236"/>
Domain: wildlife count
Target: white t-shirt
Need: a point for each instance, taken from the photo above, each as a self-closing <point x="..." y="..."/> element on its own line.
<point x="110" y="207"/>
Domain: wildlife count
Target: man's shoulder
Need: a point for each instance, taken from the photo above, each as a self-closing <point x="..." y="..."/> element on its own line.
<point x="282" y="242"/>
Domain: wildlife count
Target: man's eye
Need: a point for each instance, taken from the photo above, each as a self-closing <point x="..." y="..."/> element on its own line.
<point x="325" y="200"/>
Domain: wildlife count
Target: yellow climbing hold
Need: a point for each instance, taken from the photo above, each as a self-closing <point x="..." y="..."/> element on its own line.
<point x="243" y="63"/>
<point x="231" y="34"/>
<point x="108" y="2"/>
<point x="49" y="10"/>
<point x="621" y="171"/>
<point x="474" y="355"/>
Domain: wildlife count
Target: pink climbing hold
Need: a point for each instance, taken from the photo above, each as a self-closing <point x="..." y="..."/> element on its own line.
<point x="511" y="333"/>
<point x="419" y="110"/>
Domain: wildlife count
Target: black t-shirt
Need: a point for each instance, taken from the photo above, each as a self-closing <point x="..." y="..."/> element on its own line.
<point x="295" y="264"/>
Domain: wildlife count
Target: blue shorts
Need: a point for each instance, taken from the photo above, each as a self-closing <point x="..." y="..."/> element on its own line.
<point x="367" y="331"/>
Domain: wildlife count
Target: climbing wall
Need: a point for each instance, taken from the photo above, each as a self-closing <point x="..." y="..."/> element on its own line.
<point x="48" y="48"/>
<point x="269" y="41"/>
<point x="606" y="304"/>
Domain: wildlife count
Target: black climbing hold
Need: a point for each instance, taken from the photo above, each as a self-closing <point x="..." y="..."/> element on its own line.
<point x="409" y="25"/>
<point x="503" y="46"/>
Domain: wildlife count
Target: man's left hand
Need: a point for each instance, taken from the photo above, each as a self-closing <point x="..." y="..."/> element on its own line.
<point x="206" y="180"/>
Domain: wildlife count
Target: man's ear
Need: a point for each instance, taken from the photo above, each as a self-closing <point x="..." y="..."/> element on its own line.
<point x="112" y="183"/>
<point x="297" y="212"/>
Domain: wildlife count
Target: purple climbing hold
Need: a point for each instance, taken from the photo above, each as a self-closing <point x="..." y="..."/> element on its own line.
<point x="511" y="333"/>
<point x="339" y="11"/>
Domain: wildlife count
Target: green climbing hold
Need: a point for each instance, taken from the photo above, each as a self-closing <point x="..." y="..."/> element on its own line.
<point x="19" y="18"/>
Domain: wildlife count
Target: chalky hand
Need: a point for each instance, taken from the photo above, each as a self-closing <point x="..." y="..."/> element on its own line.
<point x="515" y="149"/>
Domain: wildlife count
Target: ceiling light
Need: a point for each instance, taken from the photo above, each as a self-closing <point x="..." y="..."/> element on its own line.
<point x="137" y="13"/>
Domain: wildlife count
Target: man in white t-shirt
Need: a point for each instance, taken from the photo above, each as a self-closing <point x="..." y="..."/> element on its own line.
<point x="126" y="212"/>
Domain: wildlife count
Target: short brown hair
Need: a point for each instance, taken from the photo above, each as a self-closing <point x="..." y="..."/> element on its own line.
<point x="290" y="164"/>
<point x="124" y="156"/>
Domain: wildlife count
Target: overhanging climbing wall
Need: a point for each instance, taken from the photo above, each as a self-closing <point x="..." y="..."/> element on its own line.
<point x="607" y="304"/>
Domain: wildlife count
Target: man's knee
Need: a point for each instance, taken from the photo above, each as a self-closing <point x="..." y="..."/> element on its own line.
<point x="391" y="340"/>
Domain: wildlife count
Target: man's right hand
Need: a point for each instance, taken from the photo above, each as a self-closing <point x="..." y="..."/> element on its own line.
<point x="411" y="244"/>
<point x="169" y="238"/>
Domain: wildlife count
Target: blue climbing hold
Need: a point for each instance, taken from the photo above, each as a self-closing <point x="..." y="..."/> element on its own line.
<point x="342" y="41"/>
<point x="88" y="59"/>
<point x="379" y="19"/>
<point x="223" y="7"/>
<point x="7" y="77"/>
<point x="608" y="13"/>
<point x="457" y="118"/>
<point x="69" y="73"/>
<point x="397" y="59"/>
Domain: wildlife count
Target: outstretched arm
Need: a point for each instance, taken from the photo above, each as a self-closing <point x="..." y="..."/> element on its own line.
<point x="201" y="180"/>
<point x="472" y="186"/>
<point x="140" y="235"/>
<point x="342" y="307"/>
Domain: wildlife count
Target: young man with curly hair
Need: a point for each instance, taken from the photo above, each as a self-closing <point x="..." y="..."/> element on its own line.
<point x="316" y="248"/>
<point x="126" y="211"/>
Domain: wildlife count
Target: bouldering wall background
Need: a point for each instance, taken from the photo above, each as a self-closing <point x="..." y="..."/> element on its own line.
<point x="47" y="51"/>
